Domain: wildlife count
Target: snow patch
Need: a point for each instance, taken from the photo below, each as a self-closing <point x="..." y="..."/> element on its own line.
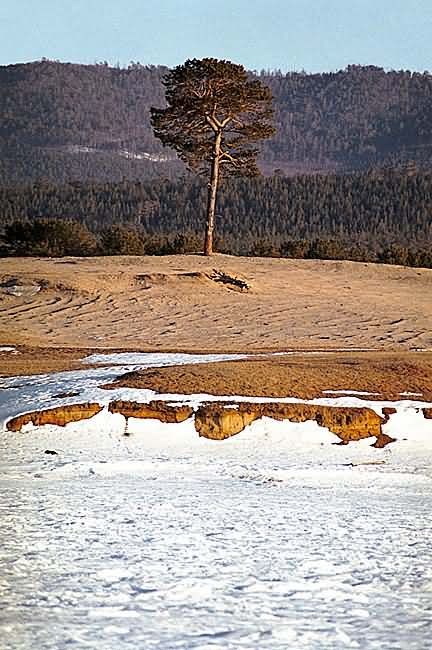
<point x="409" y="424"/>
<point x="155" y="359"/>
<point x="154" y="157"/>
<point x="348" y="392"/>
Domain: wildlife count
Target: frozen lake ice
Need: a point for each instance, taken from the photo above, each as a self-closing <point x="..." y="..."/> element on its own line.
<point x="275" y="538"/>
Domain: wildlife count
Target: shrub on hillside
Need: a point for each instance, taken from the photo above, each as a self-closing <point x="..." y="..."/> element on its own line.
<point x="121" y="240"/>
<point x="397" y="254"/>
<point x="297" y="248"/>
<point x="172" y="244"/>
<point x="48" y="238"/>
<point x="420" y="258"/>
<point x="326" y="249"/>
<point x="394" y="254"/>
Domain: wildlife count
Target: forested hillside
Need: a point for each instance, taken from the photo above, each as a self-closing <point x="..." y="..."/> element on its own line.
<point x="358" y="216"/>
<point x="61" y="122"/>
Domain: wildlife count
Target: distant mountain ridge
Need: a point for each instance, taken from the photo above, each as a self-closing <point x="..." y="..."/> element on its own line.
<point x="64" y="121"/>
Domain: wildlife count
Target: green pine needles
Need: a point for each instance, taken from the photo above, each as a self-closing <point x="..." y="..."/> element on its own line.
<point x="214" y="114"/>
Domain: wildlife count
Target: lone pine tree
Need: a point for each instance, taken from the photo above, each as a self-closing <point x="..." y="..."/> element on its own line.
<point x="214" y="113"/>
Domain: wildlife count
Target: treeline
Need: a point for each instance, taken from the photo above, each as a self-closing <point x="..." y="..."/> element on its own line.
<point x="62" y="121"/>
<point x="356" y="216"/>
<point x="59" y="238"/>
<point x="62" y="237"/>
<point x="379" y="206"/>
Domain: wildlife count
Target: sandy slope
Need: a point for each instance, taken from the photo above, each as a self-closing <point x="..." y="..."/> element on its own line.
<point x="171" y="303"/>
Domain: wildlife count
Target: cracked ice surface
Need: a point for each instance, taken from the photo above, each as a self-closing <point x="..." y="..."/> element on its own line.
<point x="164" y="540"/>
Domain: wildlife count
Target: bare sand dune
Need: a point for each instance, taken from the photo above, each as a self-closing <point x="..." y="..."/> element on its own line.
<point x="188" y="303"/>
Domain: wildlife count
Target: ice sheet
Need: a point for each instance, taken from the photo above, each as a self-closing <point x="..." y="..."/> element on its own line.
<point x="275" y="538"/>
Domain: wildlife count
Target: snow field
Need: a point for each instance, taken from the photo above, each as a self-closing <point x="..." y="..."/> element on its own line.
<point x="275" y="538"/>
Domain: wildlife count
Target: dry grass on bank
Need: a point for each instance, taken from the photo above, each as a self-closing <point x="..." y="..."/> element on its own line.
<point x="59" y="310"/>
<point x="385" y="375"/>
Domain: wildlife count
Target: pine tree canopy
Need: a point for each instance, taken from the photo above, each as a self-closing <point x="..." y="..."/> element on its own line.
<point x="213" y="116"/>
<point x="208" y="97"/>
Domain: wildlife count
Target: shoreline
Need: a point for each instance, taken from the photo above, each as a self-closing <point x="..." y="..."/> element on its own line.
<point x="301" y="374"/>
<point x="380" y="376"/>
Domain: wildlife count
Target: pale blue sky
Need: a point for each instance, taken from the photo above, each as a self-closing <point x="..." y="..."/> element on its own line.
<point x="314" y="35"/>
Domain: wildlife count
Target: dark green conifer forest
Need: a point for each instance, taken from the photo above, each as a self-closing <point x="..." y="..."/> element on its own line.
<point x="355" y="216"/>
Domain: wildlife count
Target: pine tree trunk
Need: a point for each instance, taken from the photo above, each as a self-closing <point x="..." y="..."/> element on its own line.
<point x="212" y="191"/>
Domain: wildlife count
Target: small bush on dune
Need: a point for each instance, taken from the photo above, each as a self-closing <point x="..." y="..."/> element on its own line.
<point x="297" y="248"/>
<point x="172" y="244"/>
<point x="121" y="240"/>
<point x="48" y="238"/>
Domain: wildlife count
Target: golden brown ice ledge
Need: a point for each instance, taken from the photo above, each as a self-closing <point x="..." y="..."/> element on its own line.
<point x="60" y="415"/>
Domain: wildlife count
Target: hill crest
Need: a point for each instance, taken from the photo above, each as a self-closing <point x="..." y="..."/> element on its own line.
<point x="63" y="121"/>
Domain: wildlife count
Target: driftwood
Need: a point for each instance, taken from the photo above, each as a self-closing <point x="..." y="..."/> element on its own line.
<point x="220" y="276"/>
